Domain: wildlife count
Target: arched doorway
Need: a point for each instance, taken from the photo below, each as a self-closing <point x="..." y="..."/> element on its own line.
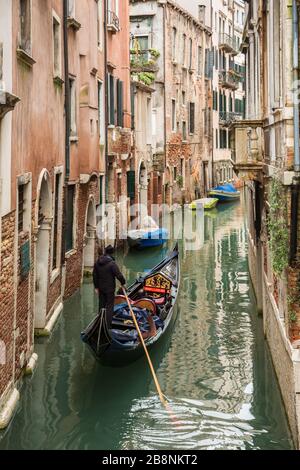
<point x="43" y="219"/>
<point x="90" y="237"/>
<point x="143" y="190"/>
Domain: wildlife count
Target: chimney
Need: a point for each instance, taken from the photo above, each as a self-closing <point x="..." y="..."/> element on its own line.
<point x="202" y="9"/>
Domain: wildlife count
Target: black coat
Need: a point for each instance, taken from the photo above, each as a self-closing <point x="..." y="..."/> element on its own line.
<point x="105" y="273"/>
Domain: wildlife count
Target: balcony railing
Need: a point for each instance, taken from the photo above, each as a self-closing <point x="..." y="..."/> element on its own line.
<point x="228" y="44"/>
<point x="227" y="118"/>
<point x="113" y="22"/>
<point x="228" y="80"/>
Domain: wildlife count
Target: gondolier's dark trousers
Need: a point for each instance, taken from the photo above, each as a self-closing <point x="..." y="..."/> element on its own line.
<point x="107" y="301"/>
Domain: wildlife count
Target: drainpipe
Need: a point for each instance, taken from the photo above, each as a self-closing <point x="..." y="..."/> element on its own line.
<point x="67" y="90"/>
<point x="106" y="100"/>
<point x="296" y="182"/>
<point x="165" y="97"/>
<point x="296" y="78"/>
<point x="67" y="122"/>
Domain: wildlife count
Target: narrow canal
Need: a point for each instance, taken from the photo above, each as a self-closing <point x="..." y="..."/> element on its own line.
<point x="215" y="367"/>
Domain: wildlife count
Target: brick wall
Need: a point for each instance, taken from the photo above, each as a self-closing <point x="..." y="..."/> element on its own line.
<point x="7" y="298"/>
<point x="74" y="263"/>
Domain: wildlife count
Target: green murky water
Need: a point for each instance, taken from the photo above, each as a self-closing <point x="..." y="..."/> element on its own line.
<point x="214" y="367"/>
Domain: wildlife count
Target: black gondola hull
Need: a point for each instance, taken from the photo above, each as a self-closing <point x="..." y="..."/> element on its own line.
<point x="110" y="352"/>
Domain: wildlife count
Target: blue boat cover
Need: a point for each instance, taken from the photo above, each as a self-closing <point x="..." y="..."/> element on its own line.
<point x="159" y="234"/>
<point x="122" y="313"/>
<point x="228" y="188"/>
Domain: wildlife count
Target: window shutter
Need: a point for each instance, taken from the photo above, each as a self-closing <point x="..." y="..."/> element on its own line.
<point x="131" y="184"/>
<point x="192" y="118"/>
<point x="25" y="260"/>
<point x="111" y="100"/>
<point x="120" y="99"/>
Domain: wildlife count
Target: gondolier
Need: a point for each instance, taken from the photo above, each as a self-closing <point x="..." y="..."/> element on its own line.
<point x="105" y="273"/>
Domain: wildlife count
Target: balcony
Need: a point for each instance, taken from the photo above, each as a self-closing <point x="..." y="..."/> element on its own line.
<point x="228" y="44"/>
<point x="228" y="80"/>
<point x="113" y="22"/>
<point x="144" y="60"/>
<point x="226" y="119"/>
<point x="246" y="148"/>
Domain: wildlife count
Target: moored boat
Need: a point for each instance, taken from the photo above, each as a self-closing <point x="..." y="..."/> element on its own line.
<point x="148" y="235"/>
<point x="147" y="238"/>
<point x="207" y="203"/>
<point x="225" y="193"/>
<point x="154" y="301"/>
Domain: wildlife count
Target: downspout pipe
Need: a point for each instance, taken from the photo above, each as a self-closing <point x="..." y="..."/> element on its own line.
<point x="106" y="99"/>
<point x="295" y="191"/>
<point x="67" y="91"/>
<point x="165" y="96"/>
<point x="67" y="124"/>
<point x="296" y="78"/>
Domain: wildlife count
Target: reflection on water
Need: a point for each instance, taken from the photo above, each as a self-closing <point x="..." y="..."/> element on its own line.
<point x="215" y="367"/>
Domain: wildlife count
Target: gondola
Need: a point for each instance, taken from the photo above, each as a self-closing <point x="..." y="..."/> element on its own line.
<point x="154" y="301"/>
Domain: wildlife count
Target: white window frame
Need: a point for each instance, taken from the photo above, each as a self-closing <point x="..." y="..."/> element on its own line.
<point x="29" y="50"/>
<point x="56" y="72"/>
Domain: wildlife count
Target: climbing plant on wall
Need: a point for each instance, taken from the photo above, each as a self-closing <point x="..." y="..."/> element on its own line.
<point x="278" y="229"/>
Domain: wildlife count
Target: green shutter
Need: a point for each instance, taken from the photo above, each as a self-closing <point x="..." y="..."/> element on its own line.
<point x="25" y="260"/>
<point x="120" y="103"/>
<point x="131" y="184"/>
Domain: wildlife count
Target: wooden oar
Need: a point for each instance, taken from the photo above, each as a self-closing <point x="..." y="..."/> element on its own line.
<point x="160" y="394"/>
<point x="162" y="398"/>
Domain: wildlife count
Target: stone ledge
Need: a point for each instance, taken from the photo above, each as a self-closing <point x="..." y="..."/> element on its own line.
<point x="46" y="332"/>
<point x="8" y="408"/>
<point x="290" y="351"/>
<point x="31" y="366"/>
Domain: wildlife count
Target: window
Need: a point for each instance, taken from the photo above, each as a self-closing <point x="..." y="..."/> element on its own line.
<point x="183" y="98"/>
<point x="111" y="100"/>
<point x="183" y="49"/>
<point x="192" y="118"/>
<point x="25" y="25"/>
<point x="217" y="138"/>
<point x="120" y="103"/>
<point x="223" y="139"/>
<point x="174" y="39"/>
<point x="215" y="100"/>
<point x="191" y="55"/>
<point x="71" y="6"/>
<point x="101" y="117"/>
<point x="56" y="46"/>
<point x="276" y="92"/>
<point x="57" y="198"/>
<point x="184" y="137"/>
<point x="200" y="60"/>
<point x="175" y="173"/>
<point x="21" y="208"/>
<point x="143" y="43"/>
<point x="70" y="218"/>
<point x="100" y="23"/>
<point x="73" y="105"/>
<point x="119" y="186"/>
<point x="173" y="115"/>
<point x="24" y="207"/>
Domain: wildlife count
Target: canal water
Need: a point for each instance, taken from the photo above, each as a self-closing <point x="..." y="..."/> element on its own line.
<point x="214" y="367"/>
